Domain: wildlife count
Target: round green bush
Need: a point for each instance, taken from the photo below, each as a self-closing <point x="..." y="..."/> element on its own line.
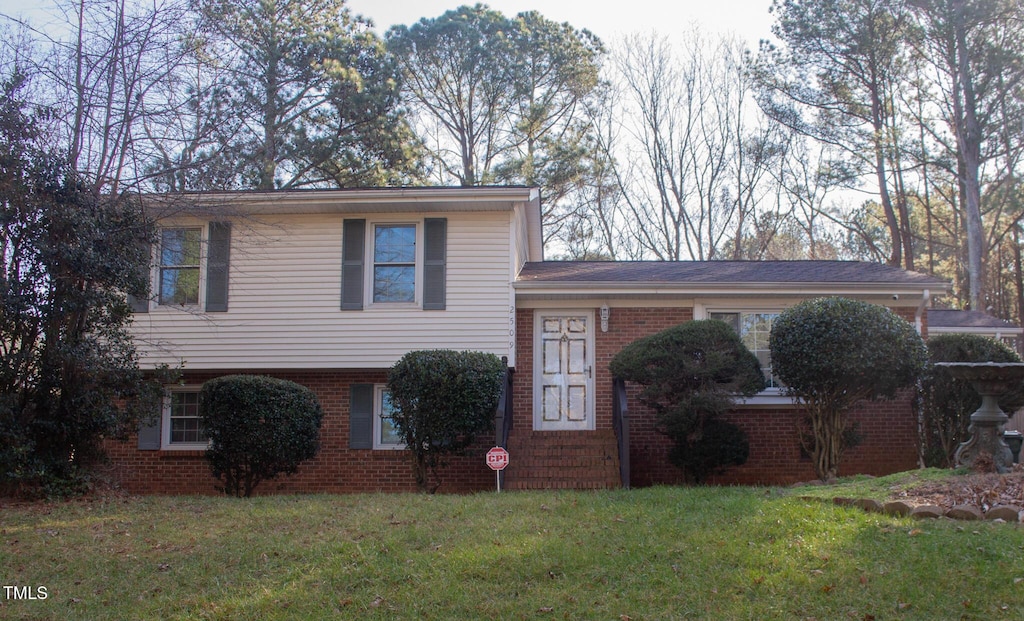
<point x="258" y="427"/>
<point x="441" y="400"/>
<point x="833" y="352"/>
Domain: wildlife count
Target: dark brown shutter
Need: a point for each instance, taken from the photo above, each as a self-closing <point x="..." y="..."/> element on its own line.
<point x="139" y="301"/>
<point x="149" y="431"/>
<point x="435" y="231"/>
<point x="352" y="259"/>
<point x="217" y="267"/>
<point x="360" y="426"/>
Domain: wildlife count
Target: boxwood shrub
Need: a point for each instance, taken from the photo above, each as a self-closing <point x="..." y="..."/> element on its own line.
<point x="441" y="400"/>
<point x="691" y="375"/>
<point x="259" y="427"/>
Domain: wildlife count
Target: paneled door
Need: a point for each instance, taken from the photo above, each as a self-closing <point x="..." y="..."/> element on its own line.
<point x="563" y="371"/>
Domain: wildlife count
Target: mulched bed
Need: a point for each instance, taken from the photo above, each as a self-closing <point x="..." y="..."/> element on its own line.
<point x="981" y="490"/>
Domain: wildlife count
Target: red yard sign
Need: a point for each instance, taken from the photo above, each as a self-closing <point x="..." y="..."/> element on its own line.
<point x="497" y="458"/>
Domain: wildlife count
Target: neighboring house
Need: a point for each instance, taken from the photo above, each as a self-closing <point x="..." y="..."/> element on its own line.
<point x="949" y="321"/>
<point x="946" y="321"/>
<point x="330" y="288"/>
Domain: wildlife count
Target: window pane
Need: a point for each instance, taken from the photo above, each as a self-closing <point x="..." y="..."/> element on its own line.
<point x="394" y="263"/>
<point x="394" y="244"/>
<point x="186" y="424"/>
<point x="755" y="331"/>
<point x="388" y="433"/>
<point x="179" y="285"/>
<point x="733" y="319"/>
<point x="179" y="266"/>
<point x="180" y="247"/>
<point x="394" y="283"/>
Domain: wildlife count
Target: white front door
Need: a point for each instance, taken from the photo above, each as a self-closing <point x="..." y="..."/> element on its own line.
<point x="563" y="371"/>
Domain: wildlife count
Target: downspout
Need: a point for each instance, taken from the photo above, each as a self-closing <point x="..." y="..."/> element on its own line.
<point x="919" y="313"/>
<point x="926" y="296"/>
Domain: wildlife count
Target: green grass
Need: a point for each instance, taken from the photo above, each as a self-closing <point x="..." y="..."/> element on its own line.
<point x="663" y="553"/>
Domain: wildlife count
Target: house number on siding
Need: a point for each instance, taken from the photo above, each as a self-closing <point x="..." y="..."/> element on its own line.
<point x="511" y="328"/>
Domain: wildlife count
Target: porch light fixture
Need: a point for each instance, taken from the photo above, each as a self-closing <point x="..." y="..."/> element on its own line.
<point x="605" y="313"/>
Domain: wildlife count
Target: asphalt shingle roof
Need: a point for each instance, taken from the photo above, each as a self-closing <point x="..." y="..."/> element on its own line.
<point x="949" y="318"/>
<point x="722" y="272"/>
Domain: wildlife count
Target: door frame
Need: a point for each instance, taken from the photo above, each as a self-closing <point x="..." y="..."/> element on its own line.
<point x="590" y="423"/>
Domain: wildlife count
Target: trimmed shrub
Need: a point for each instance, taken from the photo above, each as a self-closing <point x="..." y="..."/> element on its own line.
<point x="441" y="400"/>
<point x="949" y="402"/>
<point x="259" y="427"/>
<point x="833" y="352"/>
<point x="691" y="375"/>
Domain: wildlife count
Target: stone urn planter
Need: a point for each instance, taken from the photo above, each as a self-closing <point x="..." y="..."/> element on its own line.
<point x="991" y="380"/>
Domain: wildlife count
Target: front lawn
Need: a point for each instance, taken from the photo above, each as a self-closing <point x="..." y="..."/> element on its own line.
<point x="663" y="553"/>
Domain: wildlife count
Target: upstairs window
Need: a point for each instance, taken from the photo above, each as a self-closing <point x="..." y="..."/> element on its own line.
<point x="180" y="250"/>
<point x="394" y="263"/>
<point x="754" y="329"/>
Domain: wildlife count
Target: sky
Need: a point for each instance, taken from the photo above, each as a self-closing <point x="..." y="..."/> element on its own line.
<point x="748" y="19"/>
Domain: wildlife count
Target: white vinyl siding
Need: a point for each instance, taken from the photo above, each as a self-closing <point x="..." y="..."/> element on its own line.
<point x="285" y="276"/>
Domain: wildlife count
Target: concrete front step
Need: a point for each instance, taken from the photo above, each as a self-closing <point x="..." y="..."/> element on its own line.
<point x="562" y="460"/>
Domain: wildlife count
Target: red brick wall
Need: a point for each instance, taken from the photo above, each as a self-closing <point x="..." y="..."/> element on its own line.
<point x="335" y="469"/>
<point x="888" y="445"/>
<point x="888" y="428"/>
<point x="775" y="455"/>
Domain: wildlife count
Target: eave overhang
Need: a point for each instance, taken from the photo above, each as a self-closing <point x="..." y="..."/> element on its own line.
<point x="370" y="200"/>
<point x="577" y="289"/>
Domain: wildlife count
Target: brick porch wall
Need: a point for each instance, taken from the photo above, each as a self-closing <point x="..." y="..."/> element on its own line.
<point x="888" y="428"/>
<point x="335" y="469"/>
<point x="888" y="445"/>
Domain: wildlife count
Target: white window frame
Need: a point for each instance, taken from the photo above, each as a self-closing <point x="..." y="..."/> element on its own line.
<point x="370" y="245"/>
<point x="378" y="422"/>
<point x="768" y="396"/>
<point x="165" y="422"/>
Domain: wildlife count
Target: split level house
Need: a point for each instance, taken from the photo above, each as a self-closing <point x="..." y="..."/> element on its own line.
<point x="330" y="288"/>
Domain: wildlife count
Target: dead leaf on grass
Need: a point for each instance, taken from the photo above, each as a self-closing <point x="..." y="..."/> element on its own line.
<point x="545" y="609"/>
<point x="377" y="601"/>
<point x="902" y="606"/>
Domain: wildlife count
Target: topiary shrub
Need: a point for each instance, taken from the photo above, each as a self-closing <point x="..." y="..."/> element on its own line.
<point x="441" y="400"/>
<point x="833" y="352"/>
<point x="259" y="427"/>
<point x="949" y="402"/>
<point x="691" y="374"/>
